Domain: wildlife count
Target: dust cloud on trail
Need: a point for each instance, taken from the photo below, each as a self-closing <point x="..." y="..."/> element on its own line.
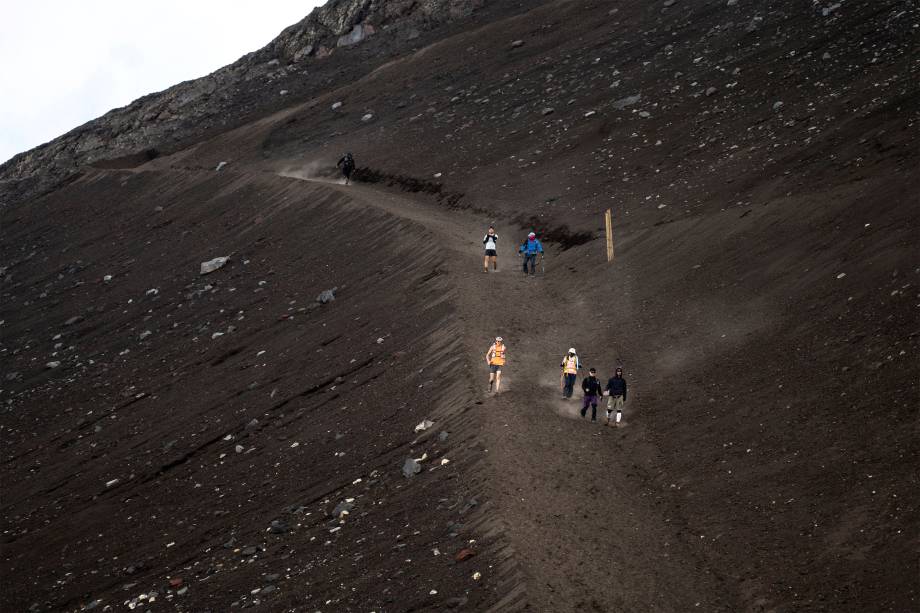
<point x="313" y="171"/>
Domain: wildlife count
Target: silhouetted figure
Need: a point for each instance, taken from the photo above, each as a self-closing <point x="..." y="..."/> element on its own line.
<point x="348" y="166"/>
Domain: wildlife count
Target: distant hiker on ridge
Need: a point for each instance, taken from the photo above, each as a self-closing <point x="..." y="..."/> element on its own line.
<point x="495" y="358"/>
<point x="592" y="389"/>
<point x="347" y="162"/>
<point x="529" y="249"/>
<point x="491" y="256"/>
<point x="570" y="366"/>
<point x="616" y="389"/>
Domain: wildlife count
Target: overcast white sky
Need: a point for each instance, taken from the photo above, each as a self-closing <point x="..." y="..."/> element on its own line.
<point x="64" y="62"/>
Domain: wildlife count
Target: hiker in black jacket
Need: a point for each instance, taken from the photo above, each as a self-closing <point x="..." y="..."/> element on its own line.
<point x="616" y="389"/>
<point x="592" y="389"/>
<point x="347" y="162"/>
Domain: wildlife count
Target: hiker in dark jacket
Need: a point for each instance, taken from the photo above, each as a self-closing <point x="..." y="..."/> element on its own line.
<point x="592" y="389"/>
<point x="616" y="389"/>
<point x="347" y="162"/>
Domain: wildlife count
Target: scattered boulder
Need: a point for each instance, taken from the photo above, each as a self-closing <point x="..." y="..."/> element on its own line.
<point x="215" y="264"/>
<point x="711" y="91"/>
<point x="424" y="425"/>
<point x="517" y="43"/>
<point x="327" y="295"/>
<point x="278" y="527"/>
<point x="628" y="101"/>
<point x="53" y="364"/>
<point x="367" y="117"/>
<point x="411" y="467"/>
<point x="336" y="105"/>
<point x="358" y="33"/>
<point x="220" y="166"/>
<point x="344" y="506"/>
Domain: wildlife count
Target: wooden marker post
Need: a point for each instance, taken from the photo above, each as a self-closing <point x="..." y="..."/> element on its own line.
<point x="609" y="223"/>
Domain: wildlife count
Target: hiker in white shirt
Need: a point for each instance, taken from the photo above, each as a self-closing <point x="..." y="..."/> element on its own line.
<point x="490" y="240"/>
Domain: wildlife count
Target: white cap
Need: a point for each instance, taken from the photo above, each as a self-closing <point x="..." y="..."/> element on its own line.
<point x="531" y="235"/>
<point x="498" y="338"/>
<point x="572" y="350"/>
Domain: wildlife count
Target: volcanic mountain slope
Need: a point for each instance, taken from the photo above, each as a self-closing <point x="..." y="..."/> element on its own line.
<point x="760" y="163"/>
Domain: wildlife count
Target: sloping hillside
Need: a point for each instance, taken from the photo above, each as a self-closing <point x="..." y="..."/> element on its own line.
<point x="194" y="439"/>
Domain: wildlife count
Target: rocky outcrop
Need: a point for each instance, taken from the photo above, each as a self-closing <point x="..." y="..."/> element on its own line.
<point x="176" y="117"/>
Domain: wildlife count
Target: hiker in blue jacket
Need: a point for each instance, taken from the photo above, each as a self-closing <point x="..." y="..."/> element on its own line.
<point x="529" y="250"/>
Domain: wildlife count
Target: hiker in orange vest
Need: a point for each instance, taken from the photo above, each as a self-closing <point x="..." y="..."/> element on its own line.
<point x="495" y="358"/>
<point x="570" y="366"/>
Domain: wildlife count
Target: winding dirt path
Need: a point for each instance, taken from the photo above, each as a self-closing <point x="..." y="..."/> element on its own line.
<point x="573" y="497"/>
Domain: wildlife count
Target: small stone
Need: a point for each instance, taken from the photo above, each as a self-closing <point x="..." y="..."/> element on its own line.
<point x="443" y="436"/>
<point x="668" y="3"/>
<point x="278" y="527"/>
<point x="367" y="117"/>
<point x="710" y="91"/>
<point x="517" y="43"/>
<point x="215" y="264"/>
<point x="777" y="105"/>
<point x="145" y="334"/>
<point x="182" y="591"/>
<point x="53" y="364"/>
<point x="548" y="111"/>
<point x="644" y="114"/>
<point x="220" y="166"/>
<point x="826" y="56"/>
<point x="272" y="577"/>
<point x="249" y="551"/>
<point x="411" y="467"/>
<point x="622" y="103"/>
<point x="342" y="507"/>
<point x="283" y="92"/>
<point x="336" y="105"/>
<point x="326" y="295"/>
<point x="732" y="2"/>
<point x="73" y="320"/>
<point x="239" y="449"/>
<point x="268" y="589"/>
